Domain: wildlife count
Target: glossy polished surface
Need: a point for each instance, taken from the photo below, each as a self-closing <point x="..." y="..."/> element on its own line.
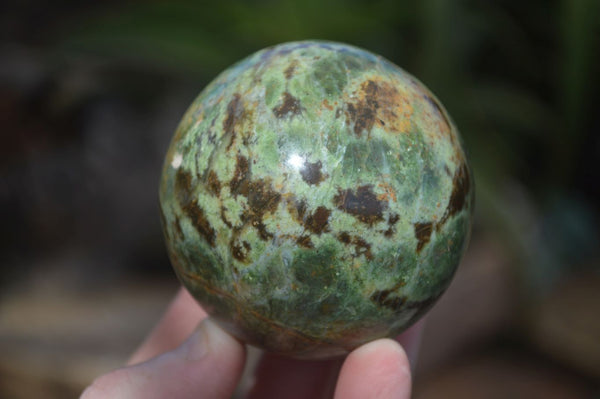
<point x="316" y="197"/>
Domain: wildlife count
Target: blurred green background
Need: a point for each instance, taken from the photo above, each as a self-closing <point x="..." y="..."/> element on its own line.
<point x="89" y="98"/>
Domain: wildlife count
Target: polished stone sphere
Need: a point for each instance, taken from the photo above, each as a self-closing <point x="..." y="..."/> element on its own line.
<point x="315" y="197"/>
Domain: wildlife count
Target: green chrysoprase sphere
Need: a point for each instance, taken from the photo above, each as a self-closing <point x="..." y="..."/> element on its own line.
<point x="315" y="197"/>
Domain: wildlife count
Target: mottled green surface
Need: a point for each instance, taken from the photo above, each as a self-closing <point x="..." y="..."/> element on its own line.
<point x="315" y="197"/>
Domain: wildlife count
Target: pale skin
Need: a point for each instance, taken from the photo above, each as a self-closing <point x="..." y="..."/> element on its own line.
<point x="188" y="356"/>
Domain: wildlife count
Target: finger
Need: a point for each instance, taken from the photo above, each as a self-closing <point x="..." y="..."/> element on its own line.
<point x="279" y="377"/>
<point x="207" y="365"/>
<point x="178" y="322"/>
<point x="379" y="369"/>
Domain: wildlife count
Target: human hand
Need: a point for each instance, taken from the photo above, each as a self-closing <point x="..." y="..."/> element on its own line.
<point x="179" y="360"/>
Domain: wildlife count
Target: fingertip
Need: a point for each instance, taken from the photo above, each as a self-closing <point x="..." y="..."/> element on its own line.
<point x="388" y="355"/>
<point x="379" y="369"/>
<point x="214" y="358"/>
<point x="221" y="344"/>
<point x="383" y="345"/>
<point x="179" y="321"/>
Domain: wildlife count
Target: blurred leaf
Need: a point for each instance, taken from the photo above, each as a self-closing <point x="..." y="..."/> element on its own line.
<point x="177" y="36"/>
<point x="513" y="108"/>
<point x="580" y="40"/>
<point x="438" y="53"/>
<point x="279" y="21"/>
<point x="509" y="43"/>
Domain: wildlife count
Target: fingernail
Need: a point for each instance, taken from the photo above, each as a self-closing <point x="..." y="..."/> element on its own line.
<point x="196" y="346"/>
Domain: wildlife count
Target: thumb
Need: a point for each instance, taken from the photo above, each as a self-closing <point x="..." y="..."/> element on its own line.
<point x="379" y="369"/>
<point x="208" y="364"/>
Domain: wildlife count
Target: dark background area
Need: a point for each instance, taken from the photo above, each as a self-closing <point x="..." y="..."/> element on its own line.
<point x="89" y="98"/>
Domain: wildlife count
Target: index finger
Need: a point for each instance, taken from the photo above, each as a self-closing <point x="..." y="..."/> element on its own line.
<point x="179" y="321"/>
